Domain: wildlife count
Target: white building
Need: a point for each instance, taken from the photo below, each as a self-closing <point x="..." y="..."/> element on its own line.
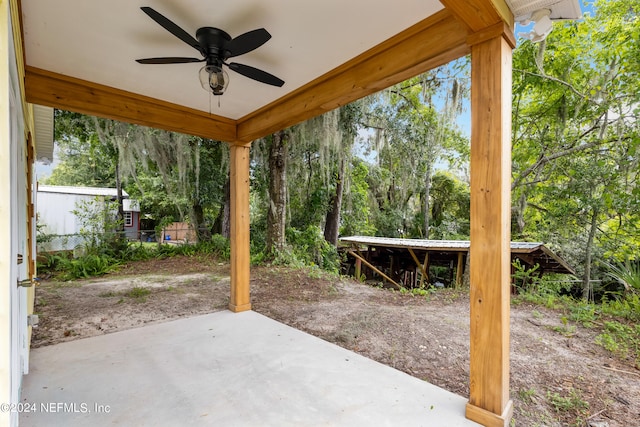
<point x="56" y="213"/>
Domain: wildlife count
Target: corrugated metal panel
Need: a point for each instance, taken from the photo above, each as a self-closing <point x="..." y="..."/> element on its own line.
<point x="87" y="191"/>
<point x="428" y="244"/>
<point x="43" y="133"/>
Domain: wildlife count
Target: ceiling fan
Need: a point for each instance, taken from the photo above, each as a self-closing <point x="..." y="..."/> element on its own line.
<point x="215" y="46"/>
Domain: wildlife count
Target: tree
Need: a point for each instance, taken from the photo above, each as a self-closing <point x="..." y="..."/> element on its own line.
<point x="276" y="216"/>
<point x="349" y="118"/>
<point x="414" y="129"/>
<point x="82" y="159"/>
<point x="575" y="134"/>
<point x="175" y="176"/>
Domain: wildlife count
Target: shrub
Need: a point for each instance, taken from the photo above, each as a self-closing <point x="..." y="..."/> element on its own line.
<point x="622" y="340"/>
<point x="310" y="247"/>
<point x="627" y="274"/>
<point x="218" y="246"/>
<point x="86" y="266"/>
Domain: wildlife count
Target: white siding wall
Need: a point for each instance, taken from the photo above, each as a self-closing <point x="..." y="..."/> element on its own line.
<point x="13" y="226"/>
<point x="55" y="212"/>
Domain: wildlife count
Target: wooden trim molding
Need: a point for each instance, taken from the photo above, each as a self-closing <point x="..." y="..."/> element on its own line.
<point x="496" y="30"/>
<point x="480" y="14"/>
<point x="435" y="41"/>
<point x="489" y="419"/>
<point x="59" y="91"/>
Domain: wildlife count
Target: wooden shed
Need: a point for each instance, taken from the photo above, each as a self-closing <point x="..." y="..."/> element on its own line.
<point x="407" y="262"/>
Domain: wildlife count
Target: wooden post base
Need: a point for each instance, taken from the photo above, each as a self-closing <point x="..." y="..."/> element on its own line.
<point x="489" y="419"/>
<point x="239" y="308"/>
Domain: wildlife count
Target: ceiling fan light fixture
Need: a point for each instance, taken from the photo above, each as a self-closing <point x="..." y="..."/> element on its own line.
<point x="214" y="79"/>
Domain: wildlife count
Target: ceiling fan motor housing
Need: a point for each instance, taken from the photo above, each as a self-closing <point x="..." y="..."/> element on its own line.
<point x="213" y="42"/>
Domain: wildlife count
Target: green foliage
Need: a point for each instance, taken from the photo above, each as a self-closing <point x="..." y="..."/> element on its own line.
<point x="576" y="140"/>
<point x="356" y="217"/>
<point x="99" y="227"/>
<point x="139" y="252"/>
<point x="626" y="273"/>
<point x="525" y="279"/>
<point x="419" y="291"/>
<point x="621" y="339"/>
<point x="311" y="248"/>
<point x="450" y="207"/>
<point x="620" y="317"/>
<point x="138" y="293"/>
<point x="585" y="313"/>
<point x="218" y="246"/>
<point x="627" y="307"/>
<point x="65" y="267"/>
<point x="566" y="329"/>
<point x="572" y="402"/>
<point x="82" y="159"/>
<point x="305" y="248"/>
<point x="85" y="266"/>
<point x="526" y="395"/>
<point x="48" y="262"/>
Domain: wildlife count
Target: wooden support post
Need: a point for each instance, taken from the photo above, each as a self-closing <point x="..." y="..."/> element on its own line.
<point x="489" y="402"/>
<point x="240" y="298"/>
<point x="420" y="266"/>
<point x="358" y="272"/>
<point x="425" y="268"/>
<point x="459" y="269"/>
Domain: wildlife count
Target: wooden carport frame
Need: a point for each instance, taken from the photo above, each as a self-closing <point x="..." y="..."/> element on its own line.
<point x="483" y="28"/>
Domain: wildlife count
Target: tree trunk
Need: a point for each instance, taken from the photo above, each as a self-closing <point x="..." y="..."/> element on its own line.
<point x="222" y="225"/>
<point x="120" y="197"/>
<point x="587" y="291"/>
<point x="202" y="232"/>
<point x="466" y="277"/>
<point x="276" y="216"/>
<point x="332" y="224"/>
<point x="426" y="205"/>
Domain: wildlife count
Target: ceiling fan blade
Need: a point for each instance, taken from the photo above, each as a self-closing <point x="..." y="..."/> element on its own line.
<point x="256" y="74"/>
<point x="168" y="60"/>
<point x="247" y="42"/>
<point x="170" y="26"/>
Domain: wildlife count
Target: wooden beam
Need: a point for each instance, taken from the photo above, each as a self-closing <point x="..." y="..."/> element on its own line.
<point x="479" y="14"/>
<point x="425" y="268"/>
<point x="371" y="266"/>
<point x="240" y="298"/>
<point x="420" y="266"/>
<point x="67" y="93"/>
<point x="435" y="41"/>
<point x="490" y="250"/>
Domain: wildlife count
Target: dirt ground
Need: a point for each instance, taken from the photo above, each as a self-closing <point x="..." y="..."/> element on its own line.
<point x="559" y="376"/>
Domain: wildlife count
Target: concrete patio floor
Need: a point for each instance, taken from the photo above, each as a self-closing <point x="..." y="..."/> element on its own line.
<point x="224" y="369"/>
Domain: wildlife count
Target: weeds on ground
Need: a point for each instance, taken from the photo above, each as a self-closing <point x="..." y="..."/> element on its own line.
<point x="570" y="404"/>
<point x="617" y="319"/>
<point x="526" y="395"/>
<point x="622" y="340"/>
<point x="420" y="291"/>
<point x="138" y="293"/>
<point x="566" y="329"/>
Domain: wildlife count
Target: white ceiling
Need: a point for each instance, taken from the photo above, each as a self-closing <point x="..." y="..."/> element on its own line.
<point x="100" y="40"/>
